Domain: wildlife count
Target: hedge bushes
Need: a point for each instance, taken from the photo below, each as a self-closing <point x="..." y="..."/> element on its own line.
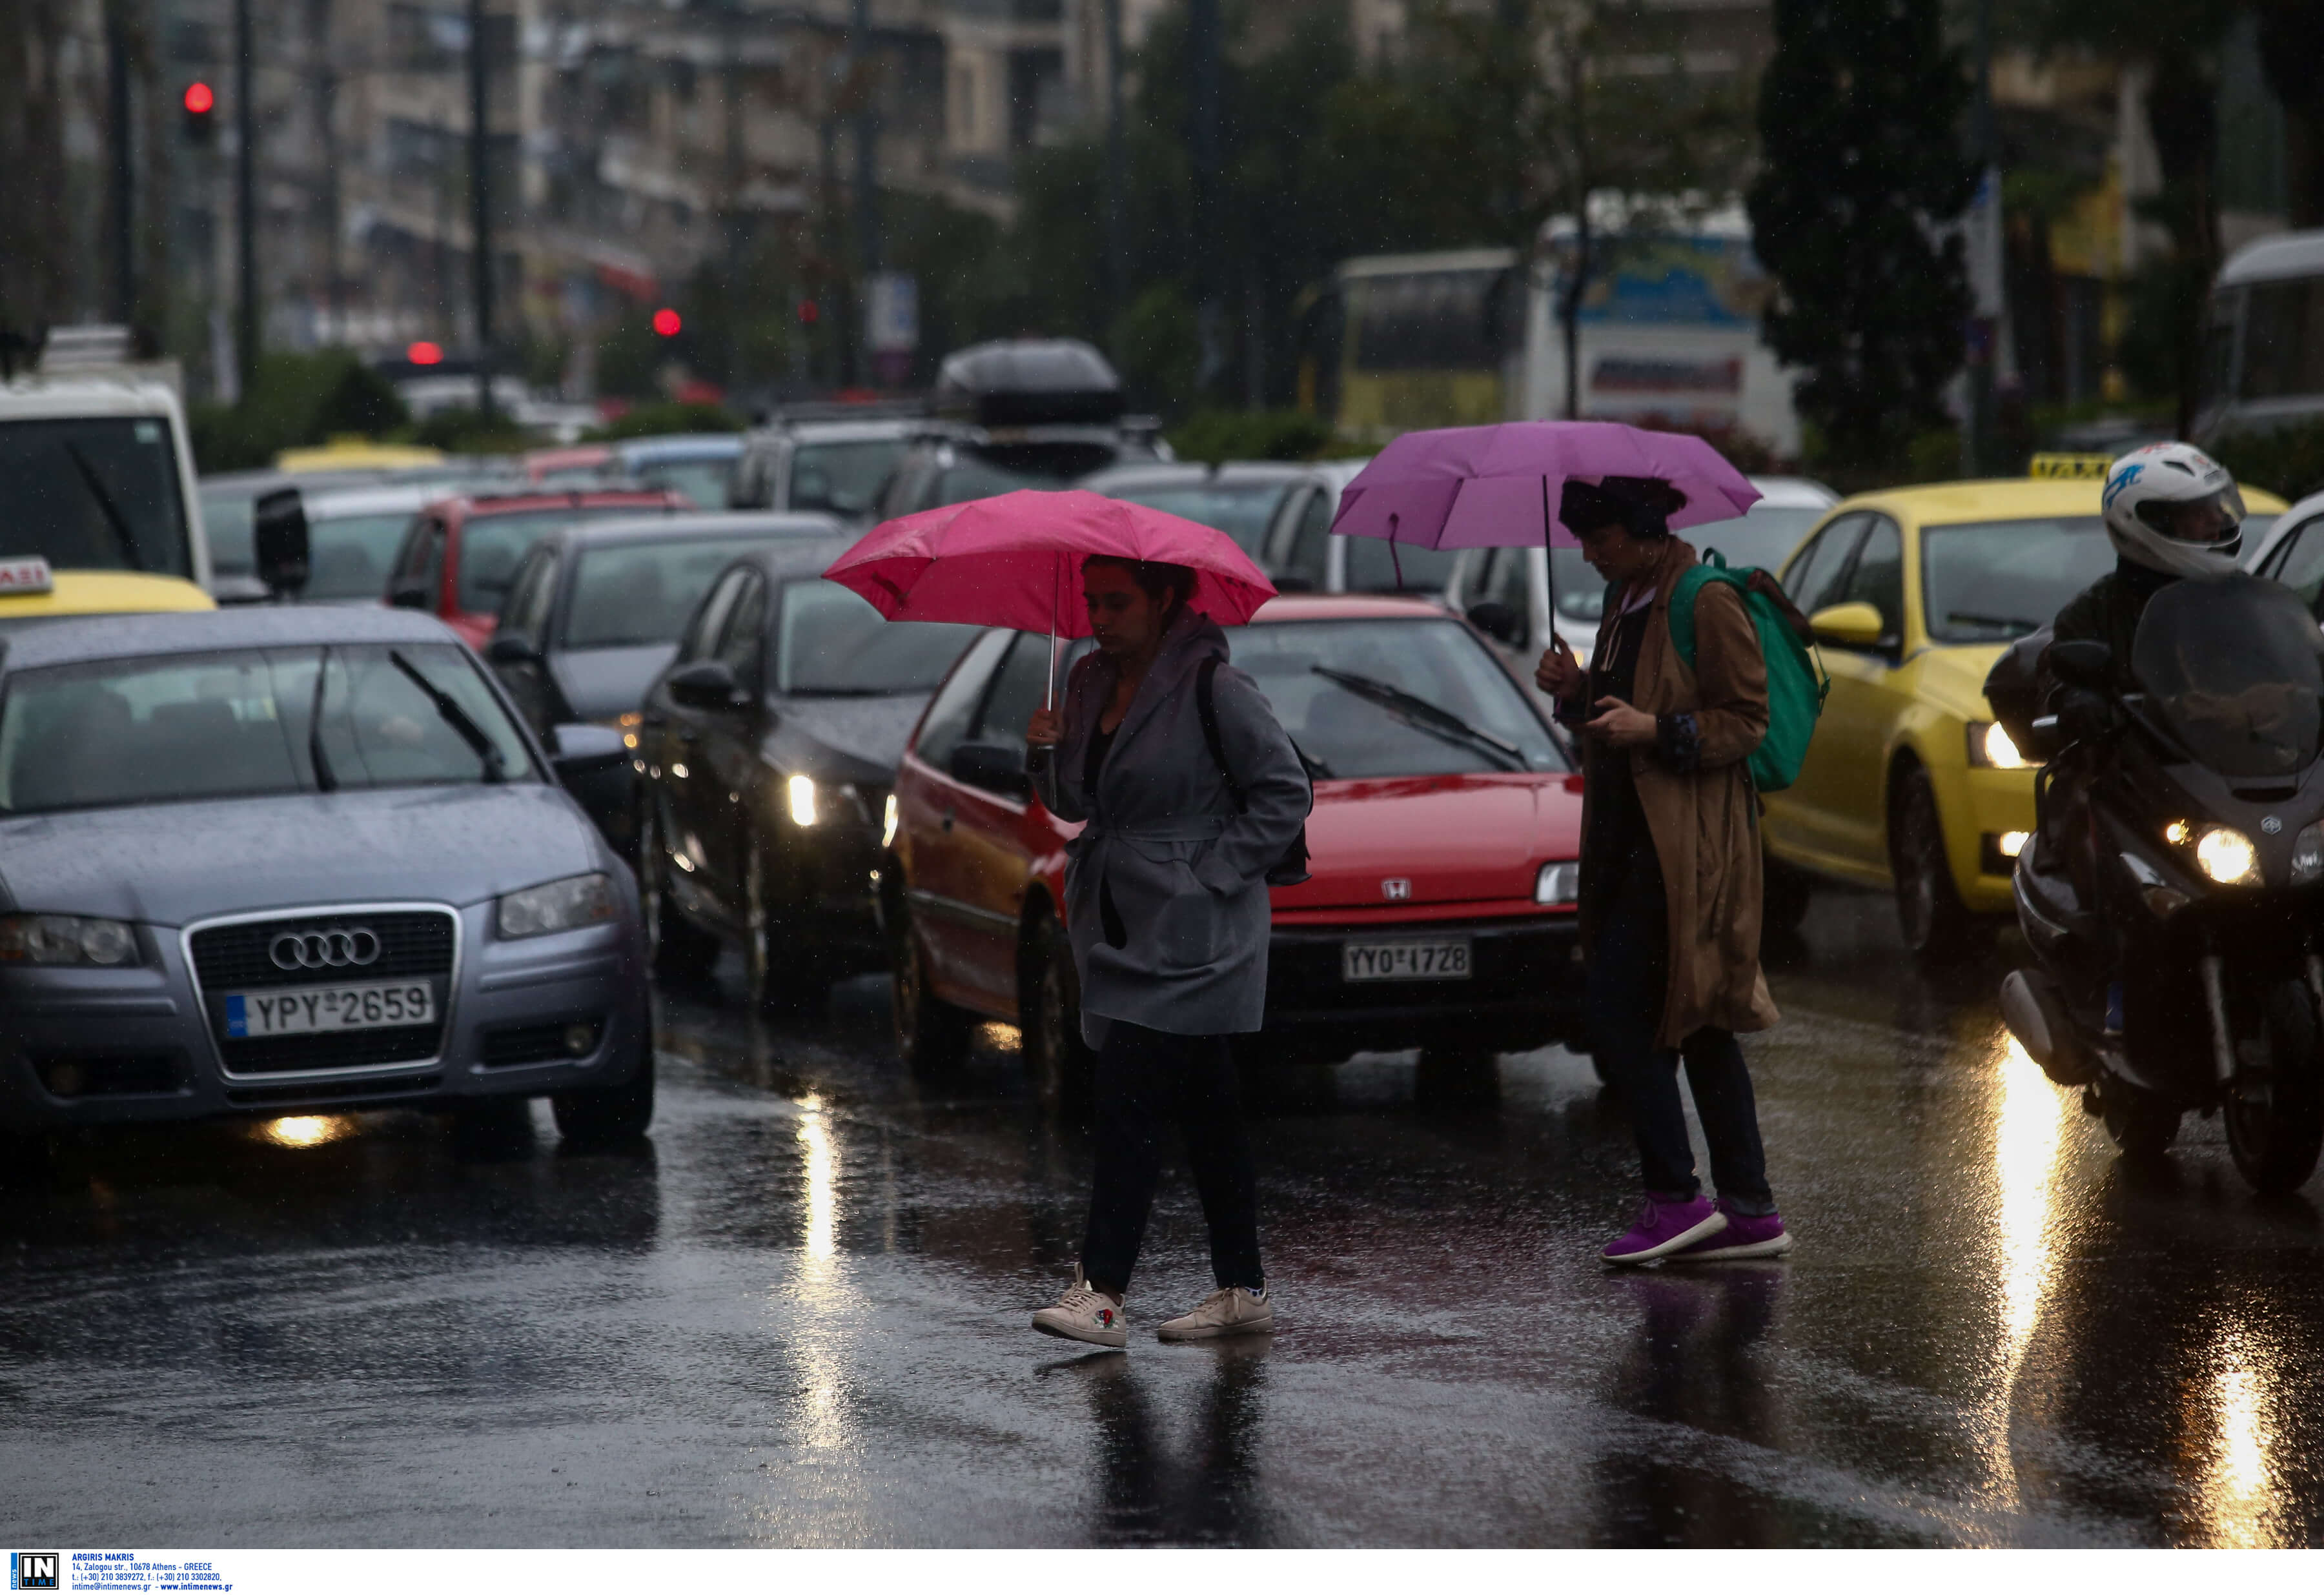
<point x="2288" y="461"/>
<point x="294" y="402"/>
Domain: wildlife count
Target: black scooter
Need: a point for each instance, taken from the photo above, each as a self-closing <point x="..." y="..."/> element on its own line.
<point x="2173" y="890"/>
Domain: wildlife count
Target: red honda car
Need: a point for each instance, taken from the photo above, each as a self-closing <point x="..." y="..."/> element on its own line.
<point x="1446" y="828"/>
<point x="461" y="553"/>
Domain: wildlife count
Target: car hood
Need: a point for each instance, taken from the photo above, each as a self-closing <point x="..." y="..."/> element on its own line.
<point x="604" y="683"/>
<point x="843" y="738"/>
<point x="1454" y="838"/>
<point x="1954" y="678"/>
<point x="170" y="863"/>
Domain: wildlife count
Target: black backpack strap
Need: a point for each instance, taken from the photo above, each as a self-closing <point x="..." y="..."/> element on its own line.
<point x="1207" y="705"/>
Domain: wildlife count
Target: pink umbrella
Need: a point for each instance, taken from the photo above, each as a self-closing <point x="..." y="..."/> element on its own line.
<point x="1015" y="560"/>
<point x="1494" y="487"/>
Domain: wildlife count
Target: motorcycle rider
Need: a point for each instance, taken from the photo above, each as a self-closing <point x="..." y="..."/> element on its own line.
<point x="2171" y="512"/>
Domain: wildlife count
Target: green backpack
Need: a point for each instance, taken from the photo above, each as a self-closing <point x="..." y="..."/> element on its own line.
<point x="1796" y="682"/>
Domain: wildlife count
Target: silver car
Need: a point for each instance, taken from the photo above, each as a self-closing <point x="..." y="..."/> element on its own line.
<point x="271" y="860"/>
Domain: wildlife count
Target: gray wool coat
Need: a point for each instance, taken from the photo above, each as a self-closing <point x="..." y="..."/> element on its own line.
<point x="1186" y="871"/>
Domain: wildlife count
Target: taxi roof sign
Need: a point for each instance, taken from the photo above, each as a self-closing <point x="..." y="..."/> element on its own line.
<point x="2072" y="465"/>
<point x="30" y="575"/>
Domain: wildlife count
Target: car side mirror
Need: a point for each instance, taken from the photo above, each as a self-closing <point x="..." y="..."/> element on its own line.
<point x="706" y="683"/>
<point x="990" y="768"/>
<point x="2081" y="664"/>
<point x="410" y="592"/>
<point x="279" y="541"/>
<point x="508" y="649"/>
<point x="580" y="751"/>
<point x="1497" y="620"/>
<point x="1848" y="625"/>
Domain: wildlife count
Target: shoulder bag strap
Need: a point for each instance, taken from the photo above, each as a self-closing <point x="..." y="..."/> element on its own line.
<point x="1206" y="707"/>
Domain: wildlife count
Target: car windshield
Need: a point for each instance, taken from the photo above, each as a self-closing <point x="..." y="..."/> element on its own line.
<point x="1992" y="581"/>
<point x="240" y="724"/>
<point x="2232" y="667"/>
<point x="844" y="478"/>
<point x="831" y="642"/>
<point x="1763" y="536"/>
<point x="637" y="593"/>
<point x="1242" y="510"/>
<point x="1373" y="566"/>
<point x="1344" y="723"/>
<point x="94" y="493"/>
<point x="491" y="545"/>
<point x="1005" y="468"/>
<point x="705" y="483"/>
<point x="349" y="556"/>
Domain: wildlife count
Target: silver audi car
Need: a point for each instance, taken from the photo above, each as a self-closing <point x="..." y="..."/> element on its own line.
<point x="274" y="860"/>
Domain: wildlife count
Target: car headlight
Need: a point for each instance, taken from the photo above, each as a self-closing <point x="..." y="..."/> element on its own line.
<point x="1990" y="748"/>
<point x="1558" y="884"/>
<point x="802" y="800"/>
<point x="890" y="818"/>
<point x="627" y="725"/>
<point x="66" y="938"/>
<point x="2227" y="856"/>
<point x="559" y="905"/>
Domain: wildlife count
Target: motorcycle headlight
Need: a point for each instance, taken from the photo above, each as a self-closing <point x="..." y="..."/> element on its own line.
<point x="2308" y="854"/>
<point x="1990" y="748"/>
<point x="2227" y="856"/>
<point x="559" y="905"/>
<point x="66" y="938"/>
<point x="804" y="811"/>
<point x="1558" y="884"/>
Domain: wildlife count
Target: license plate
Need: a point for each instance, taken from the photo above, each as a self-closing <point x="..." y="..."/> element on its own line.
<point x="1405" y="961"/>
<point x="303" y="1011"/>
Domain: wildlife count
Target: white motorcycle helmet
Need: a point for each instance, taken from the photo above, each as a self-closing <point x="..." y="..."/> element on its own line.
<point x="2173" y="508"/>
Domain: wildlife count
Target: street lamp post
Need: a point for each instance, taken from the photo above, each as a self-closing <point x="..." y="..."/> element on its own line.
<point x="246" y="208"/>
<point x="480" y="221"/>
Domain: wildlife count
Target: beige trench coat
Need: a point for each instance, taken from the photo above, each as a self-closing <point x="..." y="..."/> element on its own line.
<point x="1704" y="822"/>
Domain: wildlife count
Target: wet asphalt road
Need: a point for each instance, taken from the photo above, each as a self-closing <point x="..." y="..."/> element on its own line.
<point x="801" y="1317"/>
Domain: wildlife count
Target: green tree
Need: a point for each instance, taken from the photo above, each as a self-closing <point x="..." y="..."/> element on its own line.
<point x="1862" y="165"/>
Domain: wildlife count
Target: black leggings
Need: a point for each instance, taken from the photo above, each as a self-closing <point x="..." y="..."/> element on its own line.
<point x="1629" y="970"/>
<point x="1144" y="1079"/>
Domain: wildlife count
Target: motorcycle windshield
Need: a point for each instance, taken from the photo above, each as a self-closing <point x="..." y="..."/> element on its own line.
<point x="2234" y="664"/>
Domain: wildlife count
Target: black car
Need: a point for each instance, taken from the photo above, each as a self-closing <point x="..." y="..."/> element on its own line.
<point x="594" y="611"/>
<point x="1028" y="412"/>
<point x="768" y="749"/>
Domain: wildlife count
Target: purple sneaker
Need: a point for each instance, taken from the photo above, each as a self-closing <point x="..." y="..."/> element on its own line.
<point x="1664" y="1227"/>
<point x="1746" y="1235"/>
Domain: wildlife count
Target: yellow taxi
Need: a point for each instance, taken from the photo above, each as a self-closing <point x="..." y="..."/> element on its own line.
<point x="1909" y="785"/>
<point x="356" y="454"/>
<point x="29" y="591"/>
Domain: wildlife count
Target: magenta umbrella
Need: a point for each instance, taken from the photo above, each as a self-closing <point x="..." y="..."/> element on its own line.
<point x="1015" y="559"/>
<point x="1495" y="487"/>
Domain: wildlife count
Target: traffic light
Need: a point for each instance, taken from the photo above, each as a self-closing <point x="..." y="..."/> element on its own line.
<point x="666" y="322"/>
<point x="809" y="312"/>
<point x="202" y="107"/>
<point x="424" y="352"/>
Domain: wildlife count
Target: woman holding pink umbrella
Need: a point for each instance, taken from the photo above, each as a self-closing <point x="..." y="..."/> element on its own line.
<point x="1166" y="905"/>
<point x="1195" y="800"/>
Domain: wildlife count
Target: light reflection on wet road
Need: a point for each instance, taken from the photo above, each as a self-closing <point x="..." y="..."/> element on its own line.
<point x="799" y="1317"/>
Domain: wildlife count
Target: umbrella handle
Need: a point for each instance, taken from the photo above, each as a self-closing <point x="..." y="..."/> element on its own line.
<point x="1548" y="559"/>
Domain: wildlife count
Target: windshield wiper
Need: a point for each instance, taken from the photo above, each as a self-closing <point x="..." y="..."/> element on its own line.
<point x="456" y="717"/>
<point x="326" y="778"/>
<point x="1419" y="712"/>
<point x="2008" y="623"/>
<point x="112" y="511"/>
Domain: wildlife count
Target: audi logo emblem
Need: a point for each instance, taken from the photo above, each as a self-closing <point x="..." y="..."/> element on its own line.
<point x="325" y="949"/>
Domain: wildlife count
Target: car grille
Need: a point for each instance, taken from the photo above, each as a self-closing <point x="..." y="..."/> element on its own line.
<point x="413" y="944"/>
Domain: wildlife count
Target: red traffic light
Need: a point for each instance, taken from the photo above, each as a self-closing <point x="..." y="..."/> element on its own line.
<point x="200" y="100"/>
<point x="666" y="322"/>
<point x="808" y="312"/>
<point x="424" y="352"/>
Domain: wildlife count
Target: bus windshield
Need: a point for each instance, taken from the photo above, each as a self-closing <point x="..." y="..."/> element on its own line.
<point x="93" y="493"/>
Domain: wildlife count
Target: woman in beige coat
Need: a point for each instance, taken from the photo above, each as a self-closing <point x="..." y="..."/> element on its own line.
<point x="1670" y="871"/>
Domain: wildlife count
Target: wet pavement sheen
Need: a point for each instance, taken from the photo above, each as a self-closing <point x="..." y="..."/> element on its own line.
<point x="800" y="1316"/>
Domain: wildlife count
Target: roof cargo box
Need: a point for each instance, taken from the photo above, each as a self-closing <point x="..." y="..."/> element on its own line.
<point x="1028" y="382"/>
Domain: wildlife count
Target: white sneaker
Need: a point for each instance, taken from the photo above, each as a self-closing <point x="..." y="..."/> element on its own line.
<point x="1232" y="1310"/>
<point x="1085" y="1313"/>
